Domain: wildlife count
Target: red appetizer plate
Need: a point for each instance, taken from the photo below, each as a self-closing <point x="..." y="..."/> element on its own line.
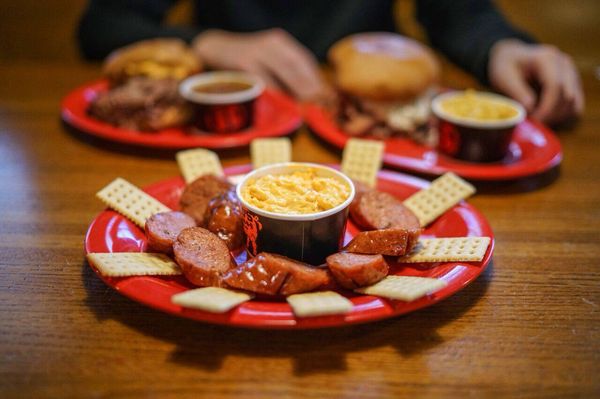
<point x="534" y="149"/>
<point x="276" y="115"/>
<point x="111" y="232"/>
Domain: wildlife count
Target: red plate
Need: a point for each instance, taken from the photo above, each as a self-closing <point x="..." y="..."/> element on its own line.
<point x="276" y="115"/>
<point x="111" y="232"/>
<point x="534" y="149"/>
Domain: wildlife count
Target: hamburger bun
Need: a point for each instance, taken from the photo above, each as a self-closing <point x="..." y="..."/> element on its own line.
<point x="155" y="58"/>
<point x="383" y="66"/>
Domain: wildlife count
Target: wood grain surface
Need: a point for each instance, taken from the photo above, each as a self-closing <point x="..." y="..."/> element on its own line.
<point x="528" y="327"/>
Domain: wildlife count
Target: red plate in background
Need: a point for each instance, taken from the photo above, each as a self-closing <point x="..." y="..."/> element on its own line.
<point x="534" y="149"/>
<point x="276" y="115"/>
<point x="111" y="232"/>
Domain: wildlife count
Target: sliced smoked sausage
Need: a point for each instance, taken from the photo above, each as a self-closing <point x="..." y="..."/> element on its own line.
<point x="273" y="274"/>
<point x="391" y="242"/>
<point x="379" y="210"/>
<point x="197" y="195"/>
<point x="224" y="217"/>
<point x="357" y="270"/>
<point x="163" y="228"/>
<point x="375" y="210"/>
<point x="203" y="257"/>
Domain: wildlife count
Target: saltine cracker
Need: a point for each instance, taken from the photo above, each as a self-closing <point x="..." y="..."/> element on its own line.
<point x="130" y="201"/>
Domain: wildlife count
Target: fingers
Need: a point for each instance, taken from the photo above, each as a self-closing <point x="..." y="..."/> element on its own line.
<point x="274" y="55"/>
<point x="265" y="75"/>
<point x="565" y="109"/>
<point x="573" y="88"/>
<point x="507" y="72"/>
<point x="561" y="97"/>
<point x="515" y="85"/>
<point x="547" y="68"/>
<point x="514" y="65"/>
<point x="290" y="63"/>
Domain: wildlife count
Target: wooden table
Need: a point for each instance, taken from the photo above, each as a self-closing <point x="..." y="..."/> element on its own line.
<point x="528" y="327"/>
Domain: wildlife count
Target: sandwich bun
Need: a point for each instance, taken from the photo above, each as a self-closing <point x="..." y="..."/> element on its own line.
<point x="155" y="58"/>
<point x="383" y="67"/>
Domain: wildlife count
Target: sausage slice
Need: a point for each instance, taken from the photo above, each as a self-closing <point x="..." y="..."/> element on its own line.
<point x="379" y="210"/>
<point x="163" y="228"/>
<point x="392" y="242"/>
<point x="203" y="257"/>
<point x="224" y="217"/>
<point x="196" y="196"/>
<point x="356" y="270"/>
<point x="375" y="210"/>
<point x="273" y="274"/>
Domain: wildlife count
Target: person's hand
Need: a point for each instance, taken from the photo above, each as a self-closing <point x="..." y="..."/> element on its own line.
<point x="518" y="69"/>
<point x="279" y="59"/>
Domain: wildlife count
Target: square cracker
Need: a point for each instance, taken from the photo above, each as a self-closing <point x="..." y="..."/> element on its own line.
<point x="123" y="264"/>
<point x="211" y="299"/>
<point x="465" y="249"/>
<point x="198" y="162"/>
<point x="269" y="151"/>
<point x="361" y="160"/>
<point x="404" y="288"/>
<point x="319" y="304"/>
<point x="130" y="201"/>
<point x="443" y="193"/>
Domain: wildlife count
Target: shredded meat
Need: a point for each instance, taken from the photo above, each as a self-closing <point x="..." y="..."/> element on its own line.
<point x="142" y="104"/>
<point x="360" y="118"/>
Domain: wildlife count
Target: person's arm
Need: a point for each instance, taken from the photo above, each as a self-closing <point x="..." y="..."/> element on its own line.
<point x="466" y="30"/>
<point x="276" y="56"/>
<point x="110" y="24"/>
<point x="273" y="54"/>
<point x="474" y="35"/>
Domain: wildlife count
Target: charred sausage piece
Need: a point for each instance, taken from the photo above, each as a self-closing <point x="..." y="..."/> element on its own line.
<point x="303" y="278"/>
<point x="163" y="228"/>
<point x="197" y="195"/>
<point x="392" y="242"/>
<point x="203" y="257"/>
<point x="378" y="210"/>
<point x="272" y="274"/>
<point x="224" y="218"/>
<point x="356" y="270"/>
<point x="259" y="274"/>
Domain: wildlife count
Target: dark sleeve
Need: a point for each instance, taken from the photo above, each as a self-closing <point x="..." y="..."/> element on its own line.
<point x="465" y="31"/>
<point x="108" y="24"/>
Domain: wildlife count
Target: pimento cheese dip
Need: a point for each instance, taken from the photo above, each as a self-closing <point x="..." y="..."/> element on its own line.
<point x="471" y="105"/>
<point x="300" y="192"/>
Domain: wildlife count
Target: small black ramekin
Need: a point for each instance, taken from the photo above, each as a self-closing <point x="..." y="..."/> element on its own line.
<point x="475" y="140"/>
<point x="222" y="112"/>
<point x="308" y="238"/>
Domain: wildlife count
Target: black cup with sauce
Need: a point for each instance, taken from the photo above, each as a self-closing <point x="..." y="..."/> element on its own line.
<point x="309" y="237"/>
<point x="224" y="101"/>
<point x="476" y="140"/>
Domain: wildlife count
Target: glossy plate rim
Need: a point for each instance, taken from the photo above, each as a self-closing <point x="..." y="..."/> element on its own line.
<point x="75" y="103"/>
<point x="320" y="122"/>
